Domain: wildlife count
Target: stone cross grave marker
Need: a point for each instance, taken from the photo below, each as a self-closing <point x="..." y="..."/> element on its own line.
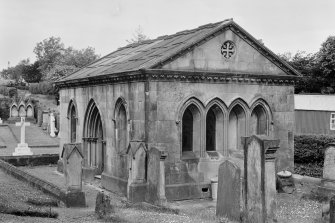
<point x="229" y="191"/>
<point x="22" y="148"/>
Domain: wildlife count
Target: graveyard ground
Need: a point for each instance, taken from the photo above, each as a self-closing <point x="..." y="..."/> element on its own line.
<point x="296" y="207"/>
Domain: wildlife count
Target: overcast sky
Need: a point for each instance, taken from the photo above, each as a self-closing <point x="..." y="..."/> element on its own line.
<point x="283" y="25"/>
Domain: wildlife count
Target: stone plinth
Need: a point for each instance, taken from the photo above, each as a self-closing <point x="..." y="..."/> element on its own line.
<point x="22" y="149"/>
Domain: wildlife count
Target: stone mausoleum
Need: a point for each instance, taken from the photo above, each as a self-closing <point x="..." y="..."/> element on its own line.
<point x="156" y="118"/>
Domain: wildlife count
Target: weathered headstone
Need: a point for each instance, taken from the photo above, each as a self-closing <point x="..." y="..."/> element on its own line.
<point x="136" y="162"/>
<point x="75" y="197"/>
<point x="103" y="207"/>
<point x="45" y="119"/>
<point x="329" y="164"/>
<point x="260" y="178"/>
<point x="229" y="191"/>
<point x="39" y="118"/>
<point x="22" y="148"/>
<point x="52" y="125"/>
<point x="327" y="185"/>
<point x="156" y="176"/>
<point x="332" y="210"/>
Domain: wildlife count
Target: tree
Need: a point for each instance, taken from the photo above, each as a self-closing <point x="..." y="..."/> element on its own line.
<point x="79" y="58"/>
<point x="326" y="61"/>
<point x="31" y="73"/>
<point x="307" y="66"/>
<point x="48" y="53"/>
<point x="15" y="73"/>
<point x="138" y="36"/>
<point x="57" y="61"/>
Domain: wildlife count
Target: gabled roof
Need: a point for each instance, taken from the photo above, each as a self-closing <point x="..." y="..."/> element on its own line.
<point x="314" y="102"/>
<point x="153" y="54"/>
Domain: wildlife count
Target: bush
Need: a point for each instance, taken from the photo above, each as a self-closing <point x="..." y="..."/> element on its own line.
<point x="42" y="88"/>
<point x="4" y="107"/>
<point x="8" y="91"/>
<point x="309" y="153"/>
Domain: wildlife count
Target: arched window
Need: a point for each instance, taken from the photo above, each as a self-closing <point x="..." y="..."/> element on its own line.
<point x="121" y="128"/>
<point x="73" y="124"/>
<point x="187" y="130"/>
<point x="94" y="138"/>
<point x="191" y="130"/>
<point x="259" y="121"/>
<point x="236" y="127"/>
<point x="214" y="129"/>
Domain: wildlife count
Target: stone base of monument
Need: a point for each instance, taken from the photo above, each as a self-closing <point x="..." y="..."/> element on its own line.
<point x="75" y="199"/>
<point x="22" y="149"/>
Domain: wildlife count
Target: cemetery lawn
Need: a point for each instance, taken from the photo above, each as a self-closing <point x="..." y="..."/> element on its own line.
<point x="15" y="196"/>
<point x="295" y="207"/>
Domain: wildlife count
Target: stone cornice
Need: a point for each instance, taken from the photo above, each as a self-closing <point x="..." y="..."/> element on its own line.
<point x="182" y="76"/>
<point x="219" y="77"/>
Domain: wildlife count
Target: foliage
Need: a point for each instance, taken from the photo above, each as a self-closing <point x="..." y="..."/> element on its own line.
<point x="79" y="58"/>
<point x="138" y="36"/>
<point x="306" y="64"/>
<point x="309" y="169"/>
<point x="42" y="88"/>
<point x="60" y="71"/>
<point x="8" y="91"/>
<point x="4" y="107"/>
<point x="15" y="73"/>
<point x="309" y="153"/>
<point x="48" y="52"/>
<point x="326" y="60"/>
<point x="31" y="73"/>
<point x="57" y="61"/>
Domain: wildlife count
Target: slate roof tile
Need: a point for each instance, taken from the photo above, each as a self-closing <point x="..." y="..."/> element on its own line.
<point x="147" y="54"/>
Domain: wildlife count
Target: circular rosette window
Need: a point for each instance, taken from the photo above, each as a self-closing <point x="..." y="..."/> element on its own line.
<point x="228" y="49"/>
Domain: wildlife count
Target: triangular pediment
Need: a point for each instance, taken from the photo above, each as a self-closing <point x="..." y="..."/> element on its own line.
<point x="244" y="54"/>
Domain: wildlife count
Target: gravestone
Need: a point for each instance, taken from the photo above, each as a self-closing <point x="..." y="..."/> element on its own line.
<point x="229" y="191"/>
<point x="22" y="148"/>
<point x="136" y="160"/>
<point x="52" y="125"/>
<point x="260" y="178"/>
<point x="327" y="185"/>
<point x="45" y="120"/>
<point x="75" y="197"/>
<point x="39" y="118"/>
<point x="103" y="206"/>
<point x="1" y="122"/>
<point x="332" y="210"/>
<point x="156" y="176"/>
<point x="139" y="161"/>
